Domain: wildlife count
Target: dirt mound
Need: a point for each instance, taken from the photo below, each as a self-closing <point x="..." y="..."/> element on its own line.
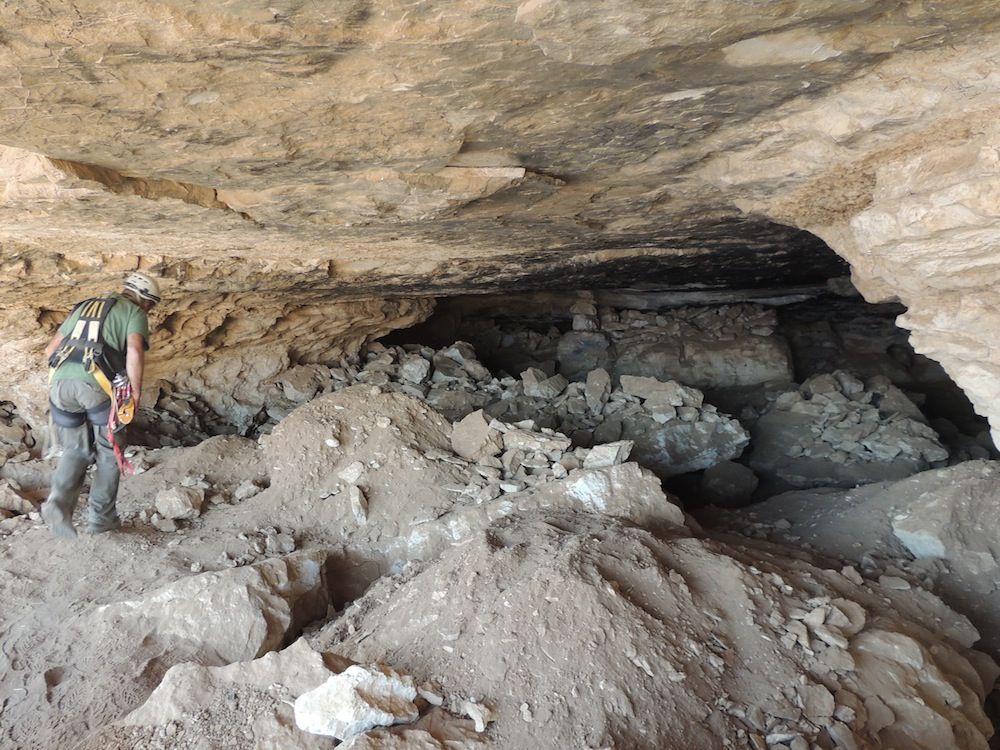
<point x="936" y="529"/>
<point x="390" y="446"/>
<point x="581" y="631"/>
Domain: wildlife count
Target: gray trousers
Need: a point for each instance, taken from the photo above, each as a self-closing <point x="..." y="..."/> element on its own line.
<point x="81" y="447"/>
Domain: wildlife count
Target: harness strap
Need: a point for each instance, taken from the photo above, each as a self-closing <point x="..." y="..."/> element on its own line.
<point x="85" y="343"/>
<point x="67" y="418"/>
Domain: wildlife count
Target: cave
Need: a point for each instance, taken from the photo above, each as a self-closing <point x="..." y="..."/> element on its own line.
<point x="526" y="374"/>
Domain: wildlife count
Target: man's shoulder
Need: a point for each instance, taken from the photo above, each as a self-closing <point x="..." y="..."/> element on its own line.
<point x="126" y="307"/>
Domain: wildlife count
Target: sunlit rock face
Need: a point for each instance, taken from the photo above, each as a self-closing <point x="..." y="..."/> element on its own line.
<point x="270" y="156"/>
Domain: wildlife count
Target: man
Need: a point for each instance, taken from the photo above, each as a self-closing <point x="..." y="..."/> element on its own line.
<point x="102" y="337"/>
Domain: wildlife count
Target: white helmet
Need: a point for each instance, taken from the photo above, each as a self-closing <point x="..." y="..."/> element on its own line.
<point x="143" y="286"/>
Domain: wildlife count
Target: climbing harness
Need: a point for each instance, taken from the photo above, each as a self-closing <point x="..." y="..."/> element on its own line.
<point x="86" y="346"/>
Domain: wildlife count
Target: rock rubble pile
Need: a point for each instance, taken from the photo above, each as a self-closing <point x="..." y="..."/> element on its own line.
<point x="838" y="430"/>
<point x="934" y="530"/>
<point x="671" y="427"/>
<point x="549" y="592"/>
<point x="16" y="438"/>
<point x="708" y="347"/>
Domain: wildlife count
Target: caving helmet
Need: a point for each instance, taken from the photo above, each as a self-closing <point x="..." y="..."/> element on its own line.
<point x="143" y="286"/>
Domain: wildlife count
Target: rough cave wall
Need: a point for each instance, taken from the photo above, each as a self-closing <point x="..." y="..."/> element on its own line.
<point x="899" y="171"/>
<point x="428" y="148"/>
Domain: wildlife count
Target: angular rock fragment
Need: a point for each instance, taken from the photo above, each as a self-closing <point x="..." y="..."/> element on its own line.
<point x="11" y="500"/>
<point x="245" y="490"/>
<point x="414" y="369"/>
<point x="357" y="699"/>
<point x="180" y="502"/>
<point x="359" y="504"/>
<point x="609" y="454"/>
<point x="473" y="439"/>
<point x="598" y="389"/>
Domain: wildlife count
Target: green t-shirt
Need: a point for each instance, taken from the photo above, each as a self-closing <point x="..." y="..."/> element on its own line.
<point x="124" y="318"/>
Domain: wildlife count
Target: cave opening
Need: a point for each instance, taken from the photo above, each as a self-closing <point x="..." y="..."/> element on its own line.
<point x="826" y="387"/>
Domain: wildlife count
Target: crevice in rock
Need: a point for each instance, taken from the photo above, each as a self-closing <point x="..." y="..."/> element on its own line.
<point x="150" y="188"/>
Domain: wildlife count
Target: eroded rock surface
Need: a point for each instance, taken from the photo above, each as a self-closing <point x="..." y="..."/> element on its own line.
<point x="588" y="141"/>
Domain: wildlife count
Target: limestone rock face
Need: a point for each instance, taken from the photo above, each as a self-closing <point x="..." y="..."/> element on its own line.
<point x="276" y="163"/>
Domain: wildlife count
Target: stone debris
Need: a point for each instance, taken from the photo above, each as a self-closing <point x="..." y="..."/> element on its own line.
<point x="775" y="647"/>
<point x="245" y="490"/>
<point x="178" y="503"/>
<point x="839" y="431"/>
<point x="709" y="347"/>
<point x="673" y="430"/>
<point x="480" y="713"/>
<point x="166" y="525"/>
<point x="178" y="419"/>
<point x="16" y="438"/>
<point x="356" y="700"/>
<point x="359" y="504"/>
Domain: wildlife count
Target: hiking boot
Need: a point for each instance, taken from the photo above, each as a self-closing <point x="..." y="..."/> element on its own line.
<point x="57" y="522"/>
<point x="102" y="528"/>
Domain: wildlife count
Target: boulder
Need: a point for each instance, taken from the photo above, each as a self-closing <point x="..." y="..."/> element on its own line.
<point x="180" y="502"/>
<point x="679" y="447"/>
<point x="579" y="352"/>
<point x="357" y="699"/>
<point x="473" y="439"/>
<point x="661" y="393"/>
<point x="414" y="369"/>
<point x="230" y="615"/>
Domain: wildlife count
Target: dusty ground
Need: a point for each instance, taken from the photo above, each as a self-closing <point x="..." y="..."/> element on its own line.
<point x="573" y="624"/>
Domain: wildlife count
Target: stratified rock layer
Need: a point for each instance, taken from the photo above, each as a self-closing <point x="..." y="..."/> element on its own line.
<point x="255" y="154"/>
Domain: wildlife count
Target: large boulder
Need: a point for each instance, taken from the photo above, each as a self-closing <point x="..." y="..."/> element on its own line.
<point x="230" y="615"/>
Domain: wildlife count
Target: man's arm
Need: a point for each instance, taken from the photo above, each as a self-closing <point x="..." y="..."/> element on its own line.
<point x="53" y="344"/>
<point x="134" y="359"/>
